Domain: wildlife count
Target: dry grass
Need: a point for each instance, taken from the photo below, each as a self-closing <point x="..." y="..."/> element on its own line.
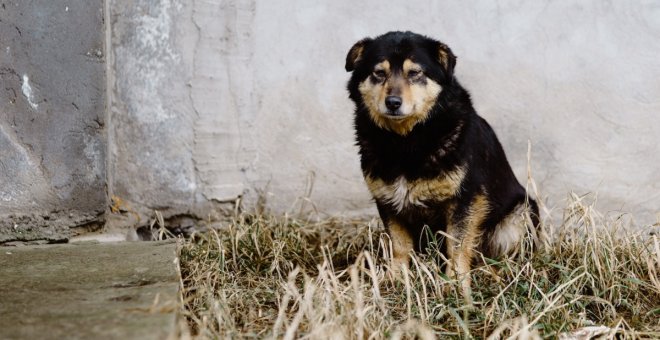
<point x="266" y="277"/>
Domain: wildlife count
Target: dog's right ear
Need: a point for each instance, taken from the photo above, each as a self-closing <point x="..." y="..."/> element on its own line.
<point x="446" y="58"/>
<point x="355" y="54"/>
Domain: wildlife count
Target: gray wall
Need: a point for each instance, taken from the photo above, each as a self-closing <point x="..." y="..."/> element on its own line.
<point x="52" y="117"/>
<point x="151" y="119"/>
<point x="211" y="102"/>
<point x="219" y="99"/>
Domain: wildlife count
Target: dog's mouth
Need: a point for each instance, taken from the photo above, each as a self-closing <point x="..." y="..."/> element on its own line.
<point x="394" y="114"/>
<point x="398" y="114"/>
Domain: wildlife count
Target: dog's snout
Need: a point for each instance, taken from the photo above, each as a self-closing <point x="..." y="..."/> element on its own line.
<point x="393" y="102"/>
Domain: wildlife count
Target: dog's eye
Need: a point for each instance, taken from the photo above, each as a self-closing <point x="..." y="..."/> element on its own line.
<point x="380" y="74"/>
<point x="414" y="73"/>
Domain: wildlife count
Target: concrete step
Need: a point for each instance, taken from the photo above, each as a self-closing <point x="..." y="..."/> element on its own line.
<point x="89" y="291"/>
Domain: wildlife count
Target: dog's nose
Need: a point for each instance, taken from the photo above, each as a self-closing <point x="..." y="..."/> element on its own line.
<point x="393" y="102"/>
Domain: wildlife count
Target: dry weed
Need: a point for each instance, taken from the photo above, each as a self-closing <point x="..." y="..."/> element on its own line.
<point x="264" y="277"/>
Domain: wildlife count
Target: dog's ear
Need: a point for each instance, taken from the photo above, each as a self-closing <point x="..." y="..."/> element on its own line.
<point x="446" y="58"/>
<point x="355" y="54"/>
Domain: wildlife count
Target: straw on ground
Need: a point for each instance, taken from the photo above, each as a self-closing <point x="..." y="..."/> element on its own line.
<point x="267" y="277"/>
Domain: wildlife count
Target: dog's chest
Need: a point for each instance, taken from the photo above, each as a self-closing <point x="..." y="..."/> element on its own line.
<point x="403" y="193"/>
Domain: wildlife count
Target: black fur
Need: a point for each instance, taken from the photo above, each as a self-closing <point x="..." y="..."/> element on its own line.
<point x="433" y="147"/>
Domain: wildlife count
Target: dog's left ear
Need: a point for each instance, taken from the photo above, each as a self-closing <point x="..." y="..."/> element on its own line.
<point x="446" y="58"/>
<point x="355" y="54"/>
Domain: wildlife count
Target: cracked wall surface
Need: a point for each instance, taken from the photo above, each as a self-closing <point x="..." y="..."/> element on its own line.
<point x="215" y="100"/>
<point x="52" y="118"/>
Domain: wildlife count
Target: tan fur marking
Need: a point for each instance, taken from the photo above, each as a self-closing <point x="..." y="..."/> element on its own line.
<point x="395" y="193"/>
<point x="424" y="98"/>
<point x="443" y="57"/>
<point x="468" y="235"/>
<point x="383" y="65"/>
<point x="370" y="96"/>
<point x="402" y="193"/>
<point x="440" y="188"/>
<point x="356" y="53"/>
<point x="410" y="65"/>
<point x="402" y="244"/>
<point x="417" y="98"/>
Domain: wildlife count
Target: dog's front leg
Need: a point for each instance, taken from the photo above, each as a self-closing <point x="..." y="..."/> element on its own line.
<point x="460" y="252"/>
<point x="402" y="245"/>
<point x="464" y="238"/>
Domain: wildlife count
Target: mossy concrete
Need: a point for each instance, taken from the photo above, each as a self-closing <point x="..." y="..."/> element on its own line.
<point x="89" y="291"/>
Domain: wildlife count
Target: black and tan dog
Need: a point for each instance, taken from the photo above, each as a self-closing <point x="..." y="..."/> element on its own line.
<point x="428" y="158"/>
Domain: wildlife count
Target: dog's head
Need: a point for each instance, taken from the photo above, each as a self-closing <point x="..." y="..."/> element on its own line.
<point x="398" y="77"/>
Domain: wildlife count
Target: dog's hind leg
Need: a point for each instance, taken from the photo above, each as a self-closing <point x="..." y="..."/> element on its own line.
<point x="511" y="230"/>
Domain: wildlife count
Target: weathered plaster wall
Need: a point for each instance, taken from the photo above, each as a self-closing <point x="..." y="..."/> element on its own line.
<point x="52" y="101"/>
<point x="212" y="100"/>
<point x="185" y="93"/>
<point x="150" y="161"/>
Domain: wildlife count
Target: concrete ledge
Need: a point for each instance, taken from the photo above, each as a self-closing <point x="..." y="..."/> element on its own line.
<point x="90" y="290"/>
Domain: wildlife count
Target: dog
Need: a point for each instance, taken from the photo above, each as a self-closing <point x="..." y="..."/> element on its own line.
<point x="429" y="160"/>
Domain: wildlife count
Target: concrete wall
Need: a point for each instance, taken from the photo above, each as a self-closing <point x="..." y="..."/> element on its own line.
<point x="52" y="117"/>
<point x="214" y="100"/>
<point x="211" y="102"/>
<point x="150" y="156"/>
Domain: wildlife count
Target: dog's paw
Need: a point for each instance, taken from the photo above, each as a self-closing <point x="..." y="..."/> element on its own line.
<point x="397" y="270"/>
